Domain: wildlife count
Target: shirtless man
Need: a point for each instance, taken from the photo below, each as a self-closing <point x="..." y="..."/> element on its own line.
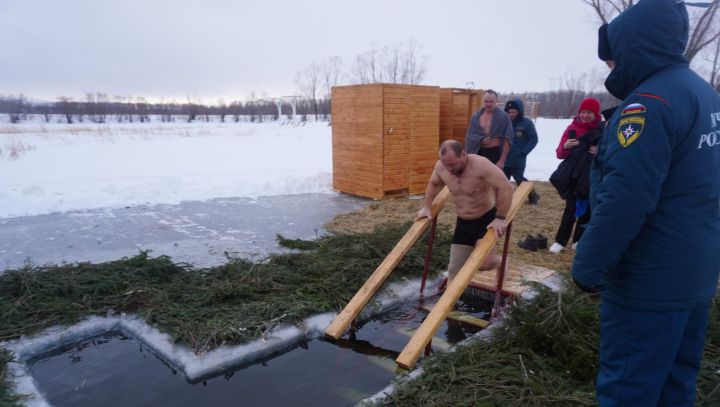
<point x="490" y="132"/>
<point x="482" y="198"/>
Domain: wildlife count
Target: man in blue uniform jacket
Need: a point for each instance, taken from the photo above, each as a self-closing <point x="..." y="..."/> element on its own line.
<point x="652" y="248"/>
<point x="524" y="142"/>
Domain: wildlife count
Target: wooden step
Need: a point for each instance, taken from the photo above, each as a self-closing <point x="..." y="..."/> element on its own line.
<point x="462" y="317"/>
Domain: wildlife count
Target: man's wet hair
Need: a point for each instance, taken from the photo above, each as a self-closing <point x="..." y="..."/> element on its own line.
<point x="453" y="145"/>
<point x="492" y="92"/>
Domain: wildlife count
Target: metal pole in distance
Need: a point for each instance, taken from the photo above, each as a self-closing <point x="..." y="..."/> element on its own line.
<point x="501" y="272"/>
<point x="428" y="256"/>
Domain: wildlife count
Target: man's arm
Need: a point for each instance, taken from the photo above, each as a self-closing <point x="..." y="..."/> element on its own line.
<point x="505" y="151"/>
<point x="507" y="139"/>
<point x="532" y="137"/>
<point x="434" y="186"/>
<point x="503" y="195"/>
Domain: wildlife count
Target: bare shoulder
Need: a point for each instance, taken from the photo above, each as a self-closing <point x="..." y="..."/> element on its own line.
<point x="438" y="168"/>
<point x="479" y="164"/>
<point x="439" y="172"/>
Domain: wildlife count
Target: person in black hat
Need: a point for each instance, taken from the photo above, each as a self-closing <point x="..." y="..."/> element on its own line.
<point x="524" y="142"/>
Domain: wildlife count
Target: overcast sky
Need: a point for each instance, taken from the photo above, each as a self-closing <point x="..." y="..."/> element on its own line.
<point x="224" y="48"/>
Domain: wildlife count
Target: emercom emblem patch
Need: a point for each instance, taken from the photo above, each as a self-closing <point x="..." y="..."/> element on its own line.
<point x="629" y="129"/>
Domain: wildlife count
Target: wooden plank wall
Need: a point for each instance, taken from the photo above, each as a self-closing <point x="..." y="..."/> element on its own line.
<point x="424" y="135"/>
<point x="465" y="102"/>
<point x="357" y="140"/>
<point x="397" y="102"/>
<point x="446" y="111"/>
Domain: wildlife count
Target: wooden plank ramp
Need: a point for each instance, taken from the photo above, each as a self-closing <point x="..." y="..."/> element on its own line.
<point x="409" y="356"/>
<point x="378" y="277"/>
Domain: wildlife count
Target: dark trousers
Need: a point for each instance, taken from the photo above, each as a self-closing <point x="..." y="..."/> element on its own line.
<point x="491" y="153"/>
<point x="649" y="358"/>
<point x="515" y="172"/>
<point x="568" y="221"/>
<point x="519" y="174"/>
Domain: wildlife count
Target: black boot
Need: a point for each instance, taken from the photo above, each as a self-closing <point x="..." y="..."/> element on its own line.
<point x="533" y="198"/>
<point x="530" y="243"/>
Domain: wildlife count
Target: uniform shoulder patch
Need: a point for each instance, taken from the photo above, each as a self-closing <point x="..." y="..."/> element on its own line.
<point x="629" y="129"/>
<point x="634" y="108"/>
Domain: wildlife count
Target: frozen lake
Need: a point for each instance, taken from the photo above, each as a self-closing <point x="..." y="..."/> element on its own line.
<point x="203" y="233"/>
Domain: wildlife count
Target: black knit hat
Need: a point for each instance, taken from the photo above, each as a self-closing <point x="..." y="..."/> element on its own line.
<point x="511" y="105"/>
<point x="604" y="44"/>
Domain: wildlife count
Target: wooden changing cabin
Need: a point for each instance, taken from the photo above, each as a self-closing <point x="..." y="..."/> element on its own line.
<point x="456" y="107"/>
<point x="385" y="138"/>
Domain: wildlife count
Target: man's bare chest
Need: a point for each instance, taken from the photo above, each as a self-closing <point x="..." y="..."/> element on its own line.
<point x="485" y="122"/>
<point x="461" y="187"/>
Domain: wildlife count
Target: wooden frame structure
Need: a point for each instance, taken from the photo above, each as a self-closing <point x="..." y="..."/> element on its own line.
<point x="408" y="357"/>
<point x="378" y="277"/>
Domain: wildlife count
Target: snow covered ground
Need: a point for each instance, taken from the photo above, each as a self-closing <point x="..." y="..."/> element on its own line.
<point x="59" y="167"/>
<point x="56" y="167"/>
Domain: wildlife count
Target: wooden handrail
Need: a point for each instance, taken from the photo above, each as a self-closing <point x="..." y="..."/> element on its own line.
<point x="409" y="356"/>
<point x="378" y="277"/>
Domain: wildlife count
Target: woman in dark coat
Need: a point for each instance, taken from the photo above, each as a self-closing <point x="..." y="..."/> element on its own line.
<point x="577" y="148"/>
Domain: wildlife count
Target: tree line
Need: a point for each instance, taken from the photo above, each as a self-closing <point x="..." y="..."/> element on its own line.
<point x="98" y="109"/>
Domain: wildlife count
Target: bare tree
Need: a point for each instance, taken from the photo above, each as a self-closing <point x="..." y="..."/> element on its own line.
<point x="703" y="29"/>
<point x="143" y="109"/>
<point x="607" y="9"/>
<point x="17" y="106"/>
<point x="65" y="108"/>
<point x="308" y="80"/>
<point x="414" y="64"/>
<point x="102" y="106"/>
<point x="192" y="108"/>
<point x="330" y="73"/>
<point x="366" y="68"/>
<point x="222" y="109"/>
<point x="392" y="65"/>
<point x="715" y="69"/>
<point x="46" y="109"/>
<point x="401" y="63"/>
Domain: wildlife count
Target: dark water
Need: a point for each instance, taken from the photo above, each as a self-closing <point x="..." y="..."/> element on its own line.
<point x="114" y="370"/>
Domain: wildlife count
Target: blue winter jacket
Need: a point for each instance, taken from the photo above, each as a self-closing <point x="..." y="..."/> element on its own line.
<point x="653" y="242"/>
<point x="524" y="141"/>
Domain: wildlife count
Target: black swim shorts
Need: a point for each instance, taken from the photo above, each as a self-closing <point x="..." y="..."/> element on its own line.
<point x="467" y="232"/>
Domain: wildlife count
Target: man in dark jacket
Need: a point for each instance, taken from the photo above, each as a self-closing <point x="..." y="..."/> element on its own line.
<point x="651" y="247"/>
<point x="523" y="143"/>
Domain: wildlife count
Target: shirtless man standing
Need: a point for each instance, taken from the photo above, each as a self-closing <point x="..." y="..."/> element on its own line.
<point x="482" y="198"/>
<point x="490" y="132"/>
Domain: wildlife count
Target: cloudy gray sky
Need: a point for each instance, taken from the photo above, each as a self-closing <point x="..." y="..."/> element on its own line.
<point x="223" y="48"/>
